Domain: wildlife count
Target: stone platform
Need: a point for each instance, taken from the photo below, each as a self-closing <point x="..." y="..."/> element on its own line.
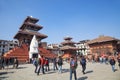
<point x="94" y="71"/>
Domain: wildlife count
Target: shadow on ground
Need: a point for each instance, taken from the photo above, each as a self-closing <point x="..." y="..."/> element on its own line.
<point x="88" y="71"/>
<point x="3" y="78"/>
<point x="3" y="73"/>
<point x="50" y="72"/>
<point x="65" y="70"/>
<point x="21" y="67"/>
<point x="83" y="78"/>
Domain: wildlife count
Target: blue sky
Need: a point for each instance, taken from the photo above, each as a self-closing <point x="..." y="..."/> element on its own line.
<point x="80" y="19"/>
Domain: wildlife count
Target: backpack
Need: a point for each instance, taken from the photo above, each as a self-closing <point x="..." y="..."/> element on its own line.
<point x="60" y="62"/>
<point x="83" y="61"/>
<point x="35" y="62"/>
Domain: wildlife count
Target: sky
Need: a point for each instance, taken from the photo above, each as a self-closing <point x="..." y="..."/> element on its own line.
<point x="79" y="19"/>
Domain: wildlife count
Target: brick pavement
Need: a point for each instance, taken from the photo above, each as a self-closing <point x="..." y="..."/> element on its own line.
<point x="94" y="71"/>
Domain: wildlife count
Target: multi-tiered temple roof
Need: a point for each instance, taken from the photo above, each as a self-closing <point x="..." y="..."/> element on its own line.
<point x="68" y="44"/>
<point x="28" y="29"/>
<point x="68" y="47"/>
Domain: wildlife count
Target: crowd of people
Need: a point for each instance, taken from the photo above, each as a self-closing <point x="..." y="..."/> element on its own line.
<point x="6" y="62"/>
<point x="42" y="64"/>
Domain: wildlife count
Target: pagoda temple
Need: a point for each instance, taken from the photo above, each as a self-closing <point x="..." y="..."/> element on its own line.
<point x="104" y="45"/>
<point x="68" y="48"/>
<point x="27" y="30"/>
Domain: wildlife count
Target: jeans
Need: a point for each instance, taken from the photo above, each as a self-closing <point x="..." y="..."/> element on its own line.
<point x="113" y="68"/>
<point x="83" y="68"/>
<point x="40" y="66"/>
<point x="60" y="68"/>
<point x="74" y="72"/>
<point x="55" y="67"/>
<point x="36" y="66"/>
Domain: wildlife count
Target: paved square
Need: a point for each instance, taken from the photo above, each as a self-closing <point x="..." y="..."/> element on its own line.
<point x="94" y="71"/>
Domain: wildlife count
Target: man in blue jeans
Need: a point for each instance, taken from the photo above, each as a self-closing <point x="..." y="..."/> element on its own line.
<point x="73" y="66"/>
<point x="112" y="63"/>
<point x="83" y="64"/>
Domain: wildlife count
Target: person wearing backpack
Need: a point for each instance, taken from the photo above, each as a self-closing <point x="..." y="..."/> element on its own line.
<point x="35" y="63"/>
<point x="60" y="63"/>
<point x="83" y="64"/>
<point x="73" y="67"/>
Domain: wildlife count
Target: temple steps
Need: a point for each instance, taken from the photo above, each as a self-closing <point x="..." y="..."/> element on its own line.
<point x="21" y="53"/>
<point x="46" y="53"/>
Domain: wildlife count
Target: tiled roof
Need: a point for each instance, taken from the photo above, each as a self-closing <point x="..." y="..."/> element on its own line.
<point x="20" y="52"/>
<point x="26" y="24"/>
<point x="102" y="39"/>
<point x="67" y="38"/>
<point x="29" y="18"/>
<point x="20" y="32"/>
<point x="47" y="53"/>
<point x="68" y="48"/>
<point x="68" y="42"/>
<point x="67" y="55"/>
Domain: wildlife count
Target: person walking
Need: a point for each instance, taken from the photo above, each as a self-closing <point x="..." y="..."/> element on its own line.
<point x="83" y="64"/>
<point x="73" y="66"/>
<point x="2" y="62"/>
<point x="15" y="63"/>
<point x="7" y="62"/>
<point x="42" y="62"/>
<point x="112" y="63"/>
<point x="47" y="65"/>
<point x="35" y="63"/>
<point x="39" y="66"/>
<point x="60" y="63"/>
<point x="55" y="64"/>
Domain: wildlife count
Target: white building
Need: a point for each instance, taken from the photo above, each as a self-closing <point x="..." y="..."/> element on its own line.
<point x="55" y="48"/>
<point x="6" y="45"/>
<point x="83" y="47"/>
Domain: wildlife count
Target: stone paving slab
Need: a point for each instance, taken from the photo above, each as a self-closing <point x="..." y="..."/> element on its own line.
<point x="94" y="71"/>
